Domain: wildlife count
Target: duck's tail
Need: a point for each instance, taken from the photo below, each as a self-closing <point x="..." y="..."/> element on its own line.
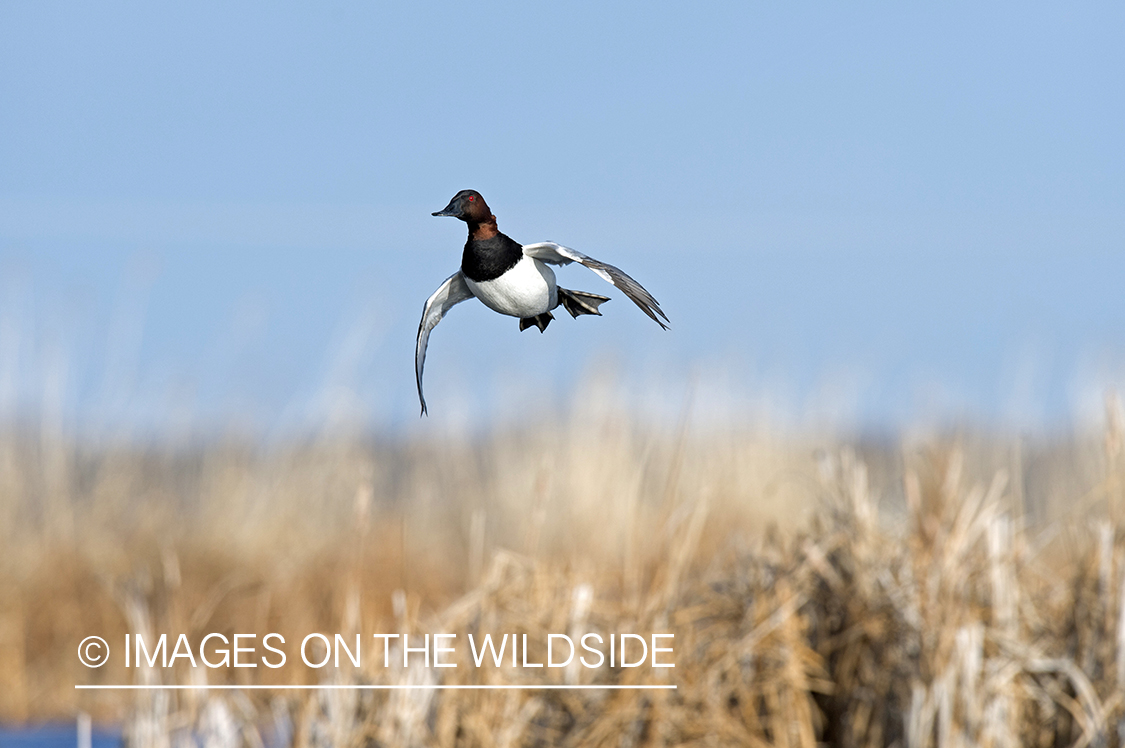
<point x="575" y="302"/>
<point x="580" y="302"/>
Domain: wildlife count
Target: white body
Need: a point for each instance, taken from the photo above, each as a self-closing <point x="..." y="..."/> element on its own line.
<point x="526" y="290"/>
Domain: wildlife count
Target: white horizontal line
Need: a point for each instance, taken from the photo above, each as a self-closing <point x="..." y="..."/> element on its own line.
<point x="374" y="688"/>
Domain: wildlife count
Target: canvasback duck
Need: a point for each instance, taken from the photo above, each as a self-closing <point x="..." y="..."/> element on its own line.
<point x="515" y="279"/>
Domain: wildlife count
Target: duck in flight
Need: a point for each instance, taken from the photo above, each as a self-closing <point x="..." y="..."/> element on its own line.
<point x="516" y="280"/>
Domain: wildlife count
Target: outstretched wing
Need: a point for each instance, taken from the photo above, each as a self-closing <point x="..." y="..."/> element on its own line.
<point x="448" y="295"/>
<point x="557" y="254"/>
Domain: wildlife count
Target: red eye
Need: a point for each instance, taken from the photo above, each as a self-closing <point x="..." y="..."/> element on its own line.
<point x="472" y="198"/>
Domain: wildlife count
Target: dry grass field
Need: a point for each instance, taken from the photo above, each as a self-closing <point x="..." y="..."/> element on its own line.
<point x="957" y="589"/>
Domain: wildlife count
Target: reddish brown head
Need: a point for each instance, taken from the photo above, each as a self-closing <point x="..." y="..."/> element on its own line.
<point x="470" y="207"/>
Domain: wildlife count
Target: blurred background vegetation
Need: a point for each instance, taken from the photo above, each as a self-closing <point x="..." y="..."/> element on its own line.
<point x="953" y="588"/>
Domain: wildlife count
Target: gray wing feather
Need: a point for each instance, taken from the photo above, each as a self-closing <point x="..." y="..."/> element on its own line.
<point x="448" y="295"/>
<point x="557" y="254"/>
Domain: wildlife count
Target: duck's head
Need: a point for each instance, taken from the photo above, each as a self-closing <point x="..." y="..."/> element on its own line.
<point x="469" y="206"/>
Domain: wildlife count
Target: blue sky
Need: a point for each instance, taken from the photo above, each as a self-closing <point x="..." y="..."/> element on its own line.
<point x="867" y="212"/>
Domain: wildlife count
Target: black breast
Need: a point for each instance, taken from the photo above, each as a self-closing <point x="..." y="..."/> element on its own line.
<point x="487" y="259"/>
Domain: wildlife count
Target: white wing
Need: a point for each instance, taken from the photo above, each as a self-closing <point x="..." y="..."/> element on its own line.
<point x="448" y="295"/>
<point x="557" y="254"/>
